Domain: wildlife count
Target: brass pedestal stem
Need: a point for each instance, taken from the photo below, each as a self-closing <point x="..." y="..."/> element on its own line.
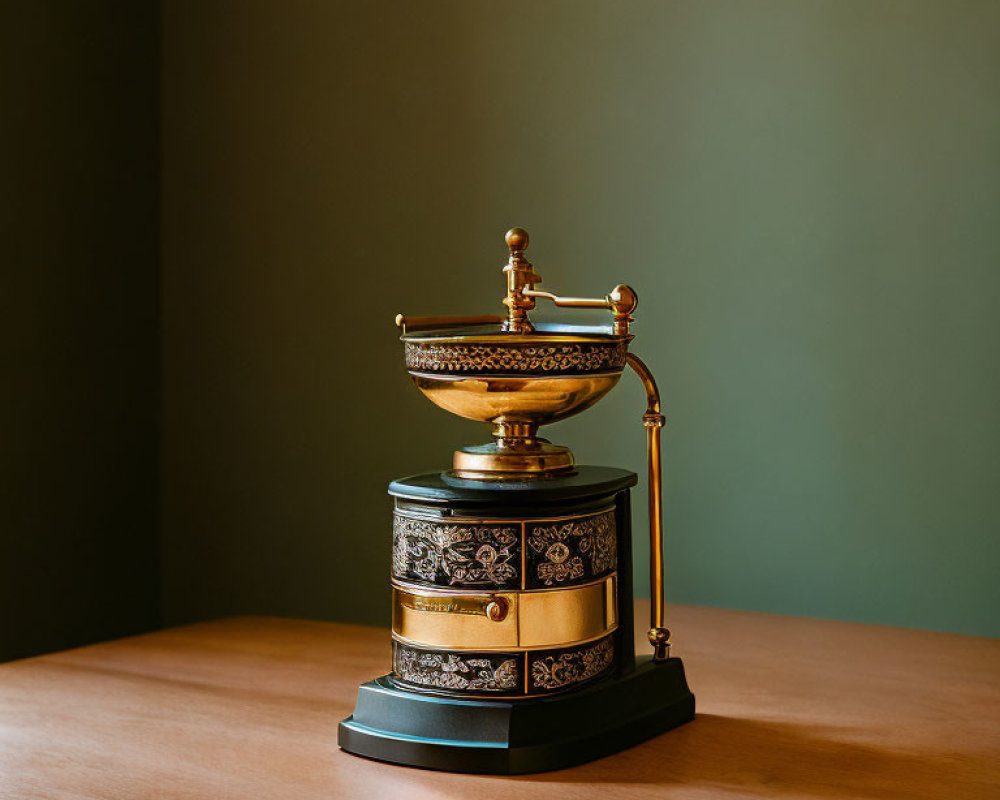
<point x="515" y="434"/>
<point x="516" y="453"/>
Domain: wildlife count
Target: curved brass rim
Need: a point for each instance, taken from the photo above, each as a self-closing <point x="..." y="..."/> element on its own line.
<point x="471" y="376"/>
<point x="397" y="637"/>
<point x="521" y="338"/>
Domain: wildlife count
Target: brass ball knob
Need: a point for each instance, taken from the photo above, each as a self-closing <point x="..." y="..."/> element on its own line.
<point x="658" y="637"/>
<point x="496" y="609"/>
<point x="623" y="300"/>
<point x="517" y="239"/>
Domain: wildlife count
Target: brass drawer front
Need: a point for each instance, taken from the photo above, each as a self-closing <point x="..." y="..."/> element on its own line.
<point x="500" y="621"/>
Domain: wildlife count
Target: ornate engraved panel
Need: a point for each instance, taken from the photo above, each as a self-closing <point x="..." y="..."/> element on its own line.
<point x="502" y="674"/>
<point x="571" y="551"/>
<point x="472" y="673"/>
<point x="456" y="554"/>
<point x="560" y="669"/>
<point x="568" y="358"/>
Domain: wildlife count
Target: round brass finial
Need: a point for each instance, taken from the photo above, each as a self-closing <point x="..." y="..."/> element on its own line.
<point x="623" y="299"/>
<point x="660" y="639"/>
<point x="517" y="239"/>
<point x="658" y="636"/>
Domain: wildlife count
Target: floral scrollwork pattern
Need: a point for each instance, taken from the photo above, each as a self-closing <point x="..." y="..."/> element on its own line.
<point x="508" y="358"/>
<point x="456" y="554"/>
<point x="559" y="670"/>
<point x="572" y="551"/>
<point x="449" y="671"/>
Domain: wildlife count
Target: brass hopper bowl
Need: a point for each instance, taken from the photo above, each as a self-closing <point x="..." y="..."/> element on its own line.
<point x="517" y="375"/>
<point x="517" y="382"/>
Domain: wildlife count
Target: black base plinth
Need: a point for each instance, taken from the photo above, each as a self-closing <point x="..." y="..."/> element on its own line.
<point x="514" y="737"/>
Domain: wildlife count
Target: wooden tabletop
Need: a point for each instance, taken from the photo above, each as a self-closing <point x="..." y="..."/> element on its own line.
<point x="248" y="708"/>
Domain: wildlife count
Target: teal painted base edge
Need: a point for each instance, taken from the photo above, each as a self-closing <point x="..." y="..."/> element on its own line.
<point x="519" y="736"/>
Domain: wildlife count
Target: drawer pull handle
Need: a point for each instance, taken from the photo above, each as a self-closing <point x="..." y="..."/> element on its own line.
<point x="494" y="608"/>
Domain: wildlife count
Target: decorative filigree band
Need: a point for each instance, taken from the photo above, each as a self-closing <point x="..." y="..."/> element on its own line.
<point x="559" y="669"/>
<point x="470" y="555"/>
<point x="475" y="555"/>
<point x="566" y="552"/>
<point x="517" y="359"/>
<point x="470" y="673"/>
<point x="502" y="674"/>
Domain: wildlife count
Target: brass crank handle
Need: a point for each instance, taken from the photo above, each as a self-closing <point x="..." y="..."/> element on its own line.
<point x="428" y="323"/>
<point x="652" y="420"/>
<point x="621" y="301"/>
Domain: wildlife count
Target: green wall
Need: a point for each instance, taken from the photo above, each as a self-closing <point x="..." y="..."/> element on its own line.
<point x="805" y="195"/>
<point x="79" y="331"/>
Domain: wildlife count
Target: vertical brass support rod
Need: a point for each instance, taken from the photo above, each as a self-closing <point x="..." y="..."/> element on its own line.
<point x="652" y="420"/>
<point x="520" y="276"/>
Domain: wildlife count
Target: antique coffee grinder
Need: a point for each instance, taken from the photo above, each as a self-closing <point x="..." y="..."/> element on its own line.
<point x="512" y="629"/>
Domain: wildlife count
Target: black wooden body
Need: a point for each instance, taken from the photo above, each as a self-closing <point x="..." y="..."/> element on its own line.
<point x="520" y="728"/>
<point x="592" y="528"/>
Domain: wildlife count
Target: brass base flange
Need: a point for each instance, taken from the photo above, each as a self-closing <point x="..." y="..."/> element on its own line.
<point x="491" y="462"/>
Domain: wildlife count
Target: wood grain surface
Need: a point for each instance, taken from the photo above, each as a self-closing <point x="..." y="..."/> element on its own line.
<point x="248" y="708"/>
